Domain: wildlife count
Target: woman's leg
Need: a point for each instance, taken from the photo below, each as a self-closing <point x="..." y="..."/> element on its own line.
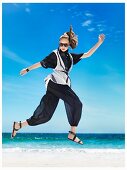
<point x="72" y="104"/>
<point x="42" y="114"/>
<point x="73" y="108"/>
<point x="45" y="110"/>
<point x="74" y="116"/>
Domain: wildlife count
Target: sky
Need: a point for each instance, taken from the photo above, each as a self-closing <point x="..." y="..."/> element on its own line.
<point x="31" y="31"/>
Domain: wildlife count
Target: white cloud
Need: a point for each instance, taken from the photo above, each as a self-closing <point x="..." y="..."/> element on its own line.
<point x="13" y="56"/>
<point x="77" y="13"/>
<point x="25" y="7"/>
<point x="86" y="23"/>
<point x="72" y="8"/>
<point x="91" y="29"/>
<point x="101" y="30"/>
<point x="101" y="27"/>
<point x="88" y="14"/>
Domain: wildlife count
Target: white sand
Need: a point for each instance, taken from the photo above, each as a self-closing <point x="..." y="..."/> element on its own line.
<point x="64" y="158"/>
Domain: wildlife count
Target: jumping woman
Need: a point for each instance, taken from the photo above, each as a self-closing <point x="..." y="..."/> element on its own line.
<point x="58" y="85"/>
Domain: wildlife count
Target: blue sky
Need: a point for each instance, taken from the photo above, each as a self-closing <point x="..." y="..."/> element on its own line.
<point x="31" y="31"/>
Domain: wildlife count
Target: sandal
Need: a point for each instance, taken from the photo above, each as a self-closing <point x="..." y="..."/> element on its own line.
<point x="80" y="142"/>
<point x="14" y="129"/>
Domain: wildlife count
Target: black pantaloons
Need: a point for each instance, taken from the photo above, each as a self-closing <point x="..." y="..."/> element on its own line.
<point x="49" y="102"/>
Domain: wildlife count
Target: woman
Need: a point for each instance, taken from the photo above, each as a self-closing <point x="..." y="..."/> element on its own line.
<point x="58" y="85"/>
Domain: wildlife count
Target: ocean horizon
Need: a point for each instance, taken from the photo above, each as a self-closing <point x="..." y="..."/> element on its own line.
<point x="40" y="141"/>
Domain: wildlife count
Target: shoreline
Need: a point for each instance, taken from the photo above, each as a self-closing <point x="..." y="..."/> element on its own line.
<point x="62" y="157"/>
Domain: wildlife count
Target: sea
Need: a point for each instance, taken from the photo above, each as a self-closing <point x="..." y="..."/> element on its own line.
<point x="46" y="141"/>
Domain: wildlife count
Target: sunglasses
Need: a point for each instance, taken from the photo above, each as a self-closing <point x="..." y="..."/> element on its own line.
<point x="64" y="44"/>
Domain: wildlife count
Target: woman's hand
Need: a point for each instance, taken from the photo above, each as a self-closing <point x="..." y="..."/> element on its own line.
<point x="101" y="38"/>
<point x="23" y="72"/>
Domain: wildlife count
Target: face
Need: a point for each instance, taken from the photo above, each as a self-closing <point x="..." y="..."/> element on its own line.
<point x="63" y="44"/>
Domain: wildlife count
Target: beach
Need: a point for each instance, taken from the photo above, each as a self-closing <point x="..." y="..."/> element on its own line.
<point x="55" y="150"/>
<point x="63" y="158"/>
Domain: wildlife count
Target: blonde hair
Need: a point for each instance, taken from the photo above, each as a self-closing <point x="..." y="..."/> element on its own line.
<point x="64" y="36"/>
<point x="72" y="38"/>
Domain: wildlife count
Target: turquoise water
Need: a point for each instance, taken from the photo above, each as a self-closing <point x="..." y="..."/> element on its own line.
<point x="59" y="140"/>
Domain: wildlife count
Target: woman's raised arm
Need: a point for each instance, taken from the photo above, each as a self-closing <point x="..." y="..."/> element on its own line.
<point x="95" y="47"/>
